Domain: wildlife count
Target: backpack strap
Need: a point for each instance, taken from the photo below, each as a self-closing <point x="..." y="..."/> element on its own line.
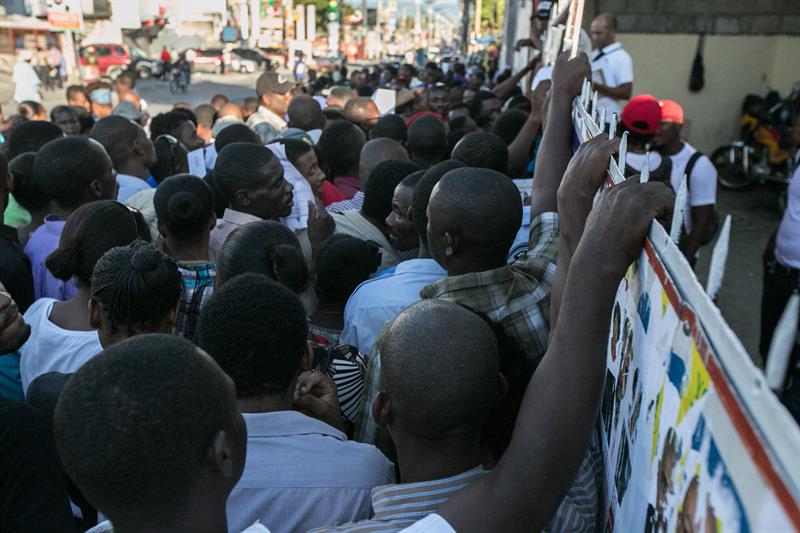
<point x="690" y="167"/>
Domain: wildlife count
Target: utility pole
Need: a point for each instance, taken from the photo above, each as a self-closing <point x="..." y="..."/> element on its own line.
<point x="478" y="7"/>
<point x="465" y="30"/>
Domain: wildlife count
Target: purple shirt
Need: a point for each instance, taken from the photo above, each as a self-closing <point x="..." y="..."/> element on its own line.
<point x="41" y="244"/>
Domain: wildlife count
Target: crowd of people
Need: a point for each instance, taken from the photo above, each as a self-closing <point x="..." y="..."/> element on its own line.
<point x="357" y="319"/>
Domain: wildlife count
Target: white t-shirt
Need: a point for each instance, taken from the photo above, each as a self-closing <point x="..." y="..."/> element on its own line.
<point x="787" y="243"/>
<point x="612" y="66"/>
<point x="703" y="186"/>
<point x="636" y="161"/>
<point x="51" y="348"/>
<point x="544" y="73"/>
<point x="433" y="523"/>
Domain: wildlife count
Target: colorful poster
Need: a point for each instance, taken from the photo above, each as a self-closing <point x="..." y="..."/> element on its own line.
<point x="693" y="439"/>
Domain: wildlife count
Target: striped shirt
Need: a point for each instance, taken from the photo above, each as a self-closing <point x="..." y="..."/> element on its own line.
<point x="352" y="204"/>
<point x="399" y="506"/>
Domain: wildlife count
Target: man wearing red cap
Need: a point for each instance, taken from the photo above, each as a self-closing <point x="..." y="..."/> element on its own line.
<point x="641" y="118"/>
<point x="701" y="178"/>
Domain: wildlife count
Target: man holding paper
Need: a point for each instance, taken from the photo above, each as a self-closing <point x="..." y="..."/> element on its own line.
<point x="612" y="67"/>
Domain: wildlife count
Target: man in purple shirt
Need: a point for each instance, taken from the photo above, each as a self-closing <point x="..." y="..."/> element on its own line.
<point x="71" y="171"/>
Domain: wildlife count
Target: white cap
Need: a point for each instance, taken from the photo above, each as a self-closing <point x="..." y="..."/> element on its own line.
<point x="25" y="55"/>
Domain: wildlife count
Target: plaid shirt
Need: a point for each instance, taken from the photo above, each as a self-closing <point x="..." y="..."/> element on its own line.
<point x="517" y="297"/>
<point x="197" y="280"/>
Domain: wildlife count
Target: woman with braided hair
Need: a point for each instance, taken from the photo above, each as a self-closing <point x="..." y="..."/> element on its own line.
<point x="135" y="289"/>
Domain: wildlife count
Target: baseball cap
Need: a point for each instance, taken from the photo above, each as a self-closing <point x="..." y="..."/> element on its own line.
<point x="671" y="111"/>
<point x="272" y="82"/>
<point x="642" y="114"/>
<point x="543" y="11"/>
<point x="101" y="96"/>
<point x="127" y="110"/>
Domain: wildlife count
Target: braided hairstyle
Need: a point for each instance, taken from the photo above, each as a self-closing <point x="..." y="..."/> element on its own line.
<point x="136" y="287"/>
<point x="264" y="247"/>
<point x="90" y="231"/>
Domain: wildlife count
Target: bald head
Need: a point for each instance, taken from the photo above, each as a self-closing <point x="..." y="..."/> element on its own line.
<point x="123" y="140"/>
<point x="305" y="113"/>
<point x="603" y="30"/>
<point x="230" y="110"/>
<point x="374" y="152"/>
<point x="473" y="212"/>
<point x="436" y="388"/>
<point x="339" y="96"/>
<point x="362" y="111"/>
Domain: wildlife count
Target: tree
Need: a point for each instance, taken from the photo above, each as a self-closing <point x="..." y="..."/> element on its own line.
<point x="492" y="13"/>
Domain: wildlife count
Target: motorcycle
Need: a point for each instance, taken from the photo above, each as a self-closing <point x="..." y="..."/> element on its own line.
<point x="179" y="80"/>
<point x="770" y="134"/>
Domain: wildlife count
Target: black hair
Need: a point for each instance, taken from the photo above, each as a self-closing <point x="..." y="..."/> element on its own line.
<point x="186" y="112"/>
<point x="413" y="179"/>
<point x="128" y="79"/>
<point x="634" y="138"/>
<point x="250" y="103"/>
<point x="220" y="201"/>
<point x="379" y="190"/>
<point x="168" y="123"/>
<point x="332" y="114"/>
<point x="480" y="97"/>
<point x="519" y="102"/>
<point x="34" y="107"/>
<point x="64" y="168"/>
<point x="90" y="231"/>
<point x="340" y="145"/>
<point x="184" y="205"/>
<point x="459" y="127"/>
<point x="422" y="195"/>
<point x="459" y="105"/>
<point x="431" y="395"/>
<point x="206" y="115"/>
<point x="3" y="167"/>
<point x="239" y="165"/>
<point x="390" y="126"/>
<point x="483" y="204"/>
<point x="136" y="287"/>
<point x="256" y="330"/>
<point x="133" y="424"/>
<point x="427" y="139"/>
<point x="117" y="134"/>
<point x="73" y="89"/>
<point x="62" y="109"/>
<point x="31" y="136"/>
<point x="26" y="191"/>
<point x="171" y="155"/>
<point x="509" y="123"/>
<point x="265" y="247"/>
<point x="295" y="149"/>
<point x="218" y="97"/>
<point x="482" y="150"/>
<point x="342" y="263"/>
<point x="235" y="133"/>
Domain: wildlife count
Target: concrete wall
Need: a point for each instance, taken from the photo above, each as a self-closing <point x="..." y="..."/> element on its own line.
<point x="734" y="67"/>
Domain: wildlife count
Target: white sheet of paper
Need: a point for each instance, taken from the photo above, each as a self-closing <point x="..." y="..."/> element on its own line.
<point x="385" y="99"/>
<point x="197" y="163"/>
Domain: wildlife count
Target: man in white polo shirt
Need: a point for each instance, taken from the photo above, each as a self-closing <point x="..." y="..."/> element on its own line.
<point x="612" y="67"/>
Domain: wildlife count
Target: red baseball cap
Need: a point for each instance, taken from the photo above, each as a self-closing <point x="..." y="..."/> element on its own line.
<point x="671" y="111"/>
<point x="642" y="114"/>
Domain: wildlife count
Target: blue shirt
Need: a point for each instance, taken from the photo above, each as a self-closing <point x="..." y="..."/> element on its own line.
<point x="379" y="300"/>
<point x="130" y="185"/>
<point x="300" y="473"/>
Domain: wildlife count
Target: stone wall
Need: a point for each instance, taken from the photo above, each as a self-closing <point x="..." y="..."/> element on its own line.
<point x="719" y="17"/>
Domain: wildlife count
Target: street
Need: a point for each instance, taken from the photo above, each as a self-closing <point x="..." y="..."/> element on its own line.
<point x="754" y="211"/>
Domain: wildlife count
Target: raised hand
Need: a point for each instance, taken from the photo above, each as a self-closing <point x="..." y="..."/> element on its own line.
<point x="13" y="329"/>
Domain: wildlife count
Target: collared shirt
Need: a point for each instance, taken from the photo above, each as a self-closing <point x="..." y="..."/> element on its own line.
<point x="197" y="286"/>
<point x="301" y="473"/>
<point x="230" y="220"/>
<point x="400" y="505"/>
<point x="518" y="296"/>
<point x="130" y="185"/>
<point x="347" y="186"/>
<point x="267" y="124"/>
<point x="15" y="270"/>
<point x="379" y="300"/>
<point x="611" y="66"/>
<point x="41" y="244"/>
<point x="353" y="204"/>
<point x="356" y="225"/>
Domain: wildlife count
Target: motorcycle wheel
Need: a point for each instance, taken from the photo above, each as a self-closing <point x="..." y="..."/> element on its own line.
<point x="729" y="162"/>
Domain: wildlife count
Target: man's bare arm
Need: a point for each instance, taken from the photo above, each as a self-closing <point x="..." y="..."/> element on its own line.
<point x="556" y="147"/>
<point x="701" y="218"/>
<point x="519" y="151"/>
<point x="560" y="406"/>
<point x="622" y="92"/>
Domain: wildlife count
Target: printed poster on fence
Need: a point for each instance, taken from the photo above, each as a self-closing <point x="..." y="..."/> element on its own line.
<point x="685" y="448"/>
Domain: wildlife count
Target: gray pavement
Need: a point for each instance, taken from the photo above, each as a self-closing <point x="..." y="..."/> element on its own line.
<point x="754" y="211"/>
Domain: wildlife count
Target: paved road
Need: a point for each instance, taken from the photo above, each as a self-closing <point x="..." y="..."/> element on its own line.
<point x="754" y="211"/>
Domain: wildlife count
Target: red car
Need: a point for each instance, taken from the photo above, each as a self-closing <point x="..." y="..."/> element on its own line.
<point x="103" y="60"/>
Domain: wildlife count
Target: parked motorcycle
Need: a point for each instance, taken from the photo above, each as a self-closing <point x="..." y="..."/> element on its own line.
<point x="179" y="80"/>
<point x="770" y="134"/>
